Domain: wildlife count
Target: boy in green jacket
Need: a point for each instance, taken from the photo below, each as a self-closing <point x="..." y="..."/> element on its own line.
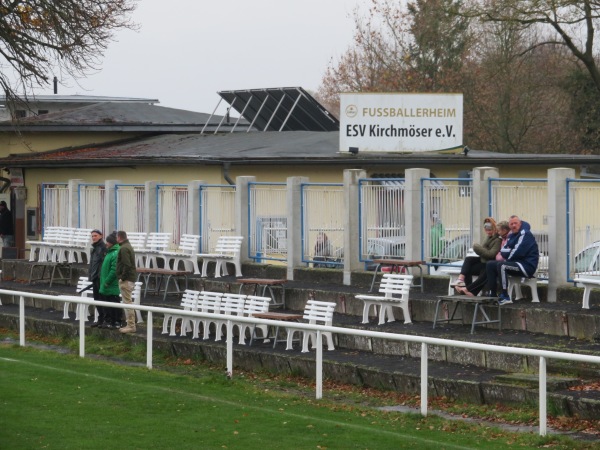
<point x="109" y="283"/>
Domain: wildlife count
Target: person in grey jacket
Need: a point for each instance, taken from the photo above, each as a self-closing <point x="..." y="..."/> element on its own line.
<point x="96" y="257"/>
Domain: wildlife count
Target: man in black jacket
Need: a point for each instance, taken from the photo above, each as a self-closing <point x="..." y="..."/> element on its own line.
<point x="96" y="258"/>
<point x="6" y="226"/>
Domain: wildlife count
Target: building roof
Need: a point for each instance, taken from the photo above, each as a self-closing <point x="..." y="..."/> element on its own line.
<point x="83" y="99"/>
<point x="119" y="116"/>
<point x="293" y="147"/>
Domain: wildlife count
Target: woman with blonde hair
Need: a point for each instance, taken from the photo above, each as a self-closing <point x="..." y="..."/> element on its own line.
<point x="475" y="265"/>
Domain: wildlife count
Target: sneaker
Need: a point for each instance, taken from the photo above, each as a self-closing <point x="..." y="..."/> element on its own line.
<point x="504" y="299"/>
<point x="127" y="329"/>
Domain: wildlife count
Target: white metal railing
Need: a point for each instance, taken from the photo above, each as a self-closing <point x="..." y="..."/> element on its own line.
<point x="172" y="211"/>
<point x="55" y="205"/>
<point x="319" y="329"/>
<point x="131" y="209"/>
<point x="91" y="198"/>
<point x="217" y="214"/>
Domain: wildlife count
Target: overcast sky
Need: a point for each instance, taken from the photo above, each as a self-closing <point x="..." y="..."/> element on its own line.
<point x="187" y="50"/>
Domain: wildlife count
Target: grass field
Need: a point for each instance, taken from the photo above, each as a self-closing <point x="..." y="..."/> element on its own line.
<point x="52" y="400"/>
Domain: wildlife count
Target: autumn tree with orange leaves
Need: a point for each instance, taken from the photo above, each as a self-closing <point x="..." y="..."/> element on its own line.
<point x="39" y="38"/>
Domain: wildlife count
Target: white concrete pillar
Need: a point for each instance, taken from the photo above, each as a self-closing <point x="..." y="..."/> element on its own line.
<point x="110" y="206"/>
<point x="193" y="209"/>
<point x="412" y="211"/>
<point x="294" y="223"/>
<point x="73" y="186"/>
<point x="242" y="204"/>
<point x="150" y="206"/>
<point x="351" y="223"/>
<point x="557" y="229"/>
<point x="481" y="199"/>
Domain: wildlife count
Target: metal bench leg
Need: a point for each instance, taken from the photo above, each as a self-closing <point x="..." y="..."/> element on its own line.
<point x="374" y="277"/>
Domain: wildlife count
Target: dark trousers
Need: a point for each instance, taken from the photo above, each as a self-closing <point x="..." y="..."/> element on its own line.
<point x="98" y="296"/>
<point x="472" y="266"/>
<point x="498" y="272"/>
<point x="113" y="315"/>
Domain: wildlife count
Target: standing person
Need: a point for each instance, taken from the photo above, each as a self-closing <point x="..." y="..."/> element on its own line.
<point x="521" y="256"/>
<point x="109" y="284"/>
<point x="437" y="236"/>
<point x="6" y="226"/>
<point x="96" y="258"/>
<point x="126" y="274"/>
<point x="486" y="251"/>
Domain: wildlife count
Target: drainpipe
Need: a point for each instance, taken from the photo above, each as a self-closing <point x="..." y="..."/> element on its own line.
<point x="226" y="167"/>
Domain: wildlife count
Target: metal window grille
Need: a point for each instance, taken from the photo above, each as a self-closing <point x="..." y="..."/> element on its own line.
<point x="267" y="221"/>
<point x="172" y="211"/>
<point x="131" y="209"/>
<point x="446" y="219"/>
<point x="583" y="227"/>
<point x="381" y="217"/>
<point x="54" y="205"/>
<point x="323" y="224"/>
<point x="91" y="206"/>
<point x="526" y="198"/>
<point x="217" y="214"/>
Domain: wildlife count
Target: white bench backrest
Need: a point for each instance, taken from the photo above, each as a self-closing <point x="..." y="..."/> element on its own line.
<point x="317" y="312"/>
<point x="255" y="304"/>
<point x="233" y="304"/>
<point x="229" y="245"/>
<point x="189" y="300"/>
<point x="158" y="241"/>
<point x="82" y="283"/>
<point x="64" y="236"/>
<point x="51" y="234"/>
<point x="189" y="244"/>
<point x="82" y="237"/>
<point x="137" y="239"/>
<point x="395" y="285"/>
<point x="210" y="302"/>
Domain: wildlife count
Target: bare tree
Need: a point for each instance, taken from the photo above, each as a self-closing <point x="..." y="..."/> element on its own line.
<point x="40" y="37"/>
<point x="567" y="23"/>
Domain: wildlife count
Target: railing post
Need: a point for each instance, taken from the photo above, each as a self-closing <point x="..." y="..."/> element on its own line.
<point x="193" y="212"/>
<point x="149" y="339"/>
<point x="110" y="206"/>
<point x="82" y="319"/>
<point x="412" y="211"/>
<point x="319" y="360"/>
<point x="242" y="210"/>
<point x="481" y="197"/>
<point x="229" y="349"/>
<point x="22" y="321"/>
<point x="74" y="204"/>
<point x="352" y="223"/>
<point x="424" y="378"/>
<point x="542" y="388"/>
<point x="294" y="223"/>
<point x="151" y="213"/>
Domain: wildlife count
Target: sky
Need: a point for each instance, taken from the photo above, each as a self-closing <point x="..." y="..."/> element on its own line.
<point x="185" y="51"/>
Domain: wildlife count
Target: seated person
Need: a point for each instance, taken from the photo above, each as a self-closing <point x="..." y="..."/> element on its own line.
<point x="475" y="265"/>
<point x="521" y="256"/>
<point x="474" y="288"/>
<point x="322" y="250"/>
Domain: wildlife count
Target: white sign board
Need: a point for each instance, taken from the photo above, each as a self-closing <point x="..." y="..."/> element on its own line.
<point x="400" y="122"/>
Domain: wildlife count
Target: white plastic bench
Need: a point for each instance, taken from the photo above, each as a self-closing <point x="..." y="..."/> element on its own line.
<point x="137" y="239"/>
<point x="227" y="249"/>
<point x="40" y="251"/>
<point x="395" y="290"/>
<point x="254" y="305"/>
<point x="515" y="282"/>
<point x="156" y="243"/>
<point x="189" y="302"/>
<point x="82" y="283"/>
<point x="187" y="254"/>
<point x="318" y="313"/>
<point x="588" y="283"/>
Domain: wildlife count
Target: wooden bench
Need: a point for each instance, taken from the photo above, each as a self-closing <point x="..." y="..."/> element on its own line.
<point x="397" y="266"/>
<point x="266" y="283"/>
<point x="588" y="283"/>
<point x="395" y="290"/>
<point x="227" y="249"/>
<point x="160" y="276"/>
<point x="480" y="303"/>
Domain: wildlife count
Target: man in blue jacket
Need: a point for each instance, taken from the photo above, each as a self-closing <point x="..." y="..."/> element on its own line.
<point x="521" y="256"/>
